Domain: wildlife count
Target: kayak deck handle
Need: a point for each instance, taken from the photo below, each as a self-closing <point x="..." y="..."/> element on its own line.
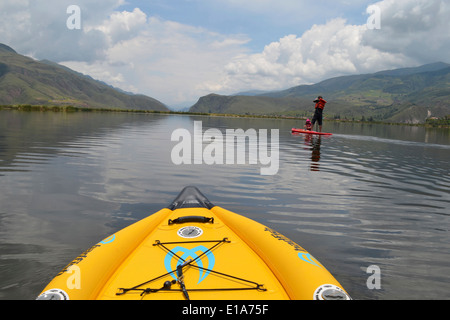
<point x="187" y="219"/>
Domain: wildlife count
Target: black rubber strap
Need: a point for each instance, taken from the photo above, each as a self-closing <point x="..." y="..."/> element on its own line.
<point x="187" y="219"/>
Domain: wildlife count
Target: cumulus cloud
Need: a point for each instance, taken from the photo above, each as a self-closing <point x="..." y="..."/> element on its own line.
<point x="35" y="28"/>
<point x="128" y="49"/>
<point x="121" y="25"/>
<point x="323" y="51"/>
<point x="176" y="62"/>
<point x="413" y="32"/>
<point x="417" y="28"/>
<point x="164" y="59"/>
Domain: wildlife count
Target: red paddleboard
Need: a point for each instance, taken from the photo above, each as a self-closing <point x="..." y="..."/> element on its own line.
<point x="294" y="130"/>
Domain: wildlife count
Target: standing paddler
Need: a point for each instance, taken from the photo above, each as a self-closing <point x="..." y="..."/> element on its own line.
<point x="318" y="114"/>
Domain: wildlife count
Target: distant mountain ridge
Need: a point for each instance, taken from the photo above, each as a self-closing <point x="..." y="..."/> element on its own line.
<point x="26" y="81"/>
<point x="409" y="95"/>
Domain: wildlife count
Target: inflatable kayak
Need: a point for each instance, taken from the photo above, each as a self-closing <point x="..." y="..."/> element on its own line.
<point x="294" y="130"/>
<point x="195" y="250"/>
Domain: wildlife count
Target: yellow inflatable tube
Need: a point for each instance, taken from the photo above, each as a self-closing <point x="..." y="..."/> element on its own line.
<point x="195" y="250"/>
<point x="297" y="270"/>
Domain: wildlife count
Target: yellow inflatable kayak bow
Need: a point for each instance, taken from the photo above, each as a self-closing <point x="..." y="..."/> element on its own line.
<point x="195" y="250"/>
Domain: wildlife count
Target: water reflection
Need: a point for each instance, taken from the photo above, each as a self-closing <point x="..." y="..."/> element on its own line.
<point x="27" y="137"/>
<point x="312" y="143"/>
<point x="363" y="196"/>
<point x="315" y="153"/>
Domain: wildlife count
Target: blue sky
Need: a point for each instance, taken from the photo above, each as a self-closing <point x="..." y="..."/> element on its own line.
<point x="179" y="50"/>
<point x="263" y="21"/>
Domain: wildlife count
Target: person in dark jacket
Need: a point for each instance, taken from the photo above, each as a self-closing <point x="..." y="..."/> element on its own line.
<point x="318" y="114"/>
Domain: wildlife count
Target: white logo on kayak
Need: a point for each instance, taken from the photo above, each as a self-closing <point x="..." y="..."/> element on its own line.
<point x="190" y="232"/>
<point x="212" y="147"/>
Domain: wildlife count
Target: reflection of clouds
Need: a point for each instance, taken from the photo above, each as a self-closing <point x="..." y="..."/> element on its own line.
<point x="371" y="200"/>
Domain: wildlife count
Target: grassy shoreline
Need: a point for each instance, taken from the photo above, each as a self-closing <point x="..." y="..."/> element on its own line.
<point x="434" y="123"/>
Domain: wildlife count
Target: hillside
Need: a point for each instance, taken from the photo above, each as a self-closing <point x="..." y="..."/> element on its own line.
<point x="409" y="95"/>
<point x="27" y="81"/>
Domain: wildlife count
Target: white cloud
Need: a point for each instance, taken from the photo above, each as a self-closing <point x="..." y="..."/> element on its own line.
<point x="121" y="25"/>
<point x="164" y="59"/>
<point x="323" y="51"/>
<point x="413" y="32"/>
<point x="416" y="28"/>
<point x="176" y="62"/>
<point x="39" y="28"/>
<point x="128" y="49"/>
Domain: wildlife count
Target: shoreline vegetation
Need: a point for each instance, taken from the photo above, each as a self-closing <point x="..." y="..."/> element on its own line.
<point x="432" y="123"/>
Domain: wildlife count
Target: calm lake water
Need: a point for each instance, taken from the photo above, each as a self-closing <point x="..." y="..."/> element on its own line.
<point x="368" y="195"/>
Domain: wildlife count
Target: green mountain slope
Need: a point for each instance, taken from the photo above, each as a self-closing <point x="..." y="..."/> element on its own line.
<point x="409" y="95"/>
<point x="27" y="81"/>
